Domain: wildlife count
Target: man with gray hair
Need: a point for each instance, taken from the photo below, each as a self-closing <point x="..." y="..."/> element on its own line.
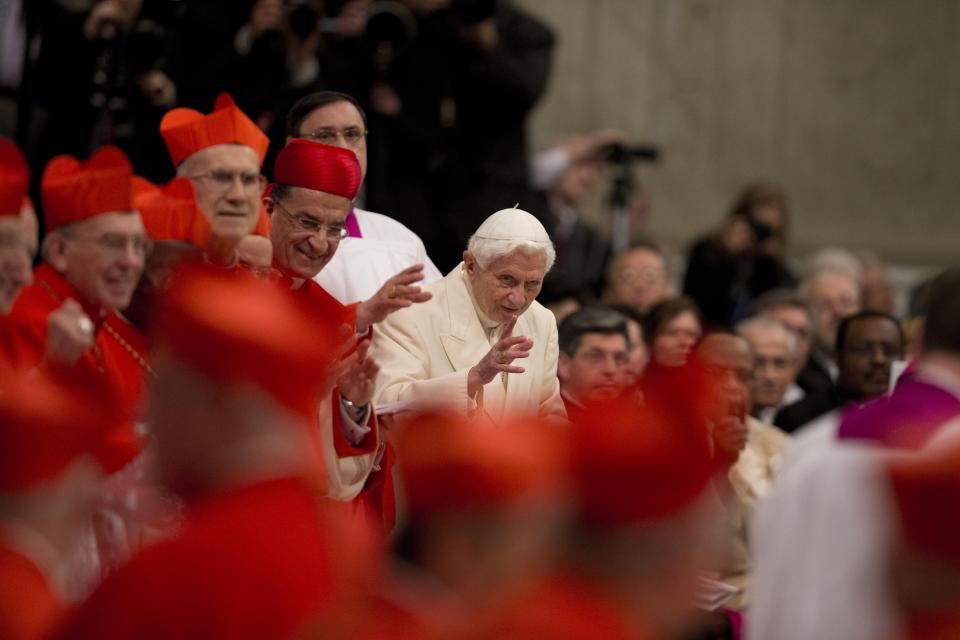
<point x="458" y="351"/>
<point x="774" y="348"/>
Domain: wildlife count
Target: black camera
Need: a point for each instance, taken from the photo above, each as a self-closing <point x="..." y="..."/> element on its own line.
<point x="617" y="153"/>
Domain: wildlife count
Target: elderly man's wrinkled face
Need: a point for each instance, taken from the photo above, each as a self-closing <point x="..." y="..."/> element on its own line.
<point x="798" y="321"/>
<point x="508" y="285"/>
<point x="18" y="246"/>
<point x="639" y="279"/>
<point x="833" y="296"/>
<point x="306" y="230"/>
<point x="102" y="257"/>
<point x="871" y="346"/>
<point x="774" y="367"/>
<point x="228" y="183"/>
<point x="340" y="125"/>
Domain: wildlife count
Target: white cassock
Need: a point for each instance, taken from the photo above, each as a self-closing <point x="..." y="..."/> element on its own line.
<point x="426" y="351"/>
<point x="821" y="546"/>
<point x="362" y="265"/>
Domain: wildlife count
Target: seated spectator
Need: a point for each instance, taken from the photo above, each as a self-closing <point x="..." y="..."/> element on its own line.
<point x="750" y="448"/>
<point x="594" y="353"/>
<point x="832" y="295"/>
<point x="730" y="268"/>
<point x="639" y="355"/>
<point x="638" y="277"/>
<point x="672" y="329"/>
<point x="774" y="349"/>
<point x="927" y="397"/>
<point x="867" y="344"/>
<point x="792" y="310"/>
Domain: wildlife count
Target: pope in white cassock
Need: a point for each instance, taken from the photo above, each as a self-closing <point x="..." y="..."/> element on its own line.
<point x="482" y="342"/>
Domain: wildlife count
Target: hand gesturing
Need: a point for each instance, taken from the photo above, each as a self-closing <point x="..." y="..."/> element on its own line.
<point x="499" y="359"/>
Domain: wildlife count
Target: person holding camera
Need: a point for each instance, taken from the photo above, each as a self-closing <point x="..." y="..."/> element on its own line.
<point x="728" y="269"/>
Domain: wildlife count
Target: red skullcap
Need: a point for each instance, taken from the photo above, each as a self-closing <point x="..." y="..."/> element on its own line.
<point x="926" y="491"/>
<point x="186" y="131"/>
<point x="171" y="212"/>
<point x="239" y="329"/>
<point x="14" y="177"/>
<point x="320" y="167"/>
<point x="73" y="191"/>
<point x="632" y="465"/>
<point x="451" y="464"/>
<point x="48" y="420"/>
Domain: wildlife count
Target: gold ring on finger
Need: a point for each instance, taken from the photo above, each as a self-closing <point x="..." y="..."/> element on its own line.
<point x="392" y="291"/>
<point x="501" y="357"/>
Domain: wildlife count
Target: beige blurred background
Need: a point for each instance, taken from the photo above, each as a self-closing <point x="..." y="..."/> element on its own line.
<point x="851" y="105"/>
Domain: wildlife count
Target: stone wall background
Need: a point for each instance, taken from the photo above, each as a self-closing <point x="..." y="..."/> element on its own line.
<point x="852" y="105"/>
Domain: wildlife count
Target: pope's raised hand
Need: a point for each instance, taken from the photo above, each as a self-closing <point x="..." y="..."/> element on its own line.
<point x="499" y="359"/>
<point x="396" y="293"/>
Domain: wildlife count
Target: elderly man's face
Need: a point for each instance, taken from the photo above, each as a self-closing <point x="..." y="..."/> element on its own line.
<point x="773" y="368"/>
<point x="306" y="230"/>
<point x="595" y="372"/>
<point x="508" y="285"/>
<point x="228" y="184"/>
<point x="338" y="124"/>
<point x="103" y="257"/>
<point x="18" y="246"/>
<point x="798" y="321"/>
<point x="639" y="279"/>
<point x="833" y="296"/>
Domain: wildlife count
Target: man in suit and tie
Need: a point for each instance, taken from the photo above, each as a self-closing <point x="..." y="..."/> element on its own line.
<point x="463" y="349"/>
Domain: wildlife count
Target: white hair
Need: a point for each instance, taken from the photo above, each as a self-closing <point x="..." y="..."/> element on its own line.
<point x="767" y="323"/>
<point x="486" y="250"/>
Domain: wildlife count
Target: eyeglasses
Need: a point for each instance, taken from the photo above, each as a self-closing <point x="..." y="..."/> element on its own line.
<point x="351" y="136"/>
<point x="334" y="232"/>
<point x="117" y="243"/>
<point x="221" y="180"/>
<point x="868" y="349"/>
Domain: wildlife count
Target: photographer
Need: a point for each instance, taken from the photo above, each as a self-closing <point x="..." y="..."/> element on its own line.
<point x="102" y="75"/>
<point x="730" y="268"/>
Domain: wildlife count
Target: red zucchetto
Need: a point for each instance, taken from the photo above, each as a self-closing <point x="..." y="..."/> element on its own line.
<point x="171" y="212"/>
<point x="73" y="191"/>
<point x="47" y="421"/>
<point x="320" y="167"/>
<point x="451" y="464"/>
<point x="14" y="177"/>
<point x="240" y="330"/>
<point x="631" y="465"/>
<point x="186" y="131"/>
<point x="926" y="492"/>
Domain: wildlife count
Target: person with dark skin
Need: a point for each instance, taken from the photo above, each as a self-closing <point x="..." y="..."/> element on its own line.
<point x="867" y="344"/>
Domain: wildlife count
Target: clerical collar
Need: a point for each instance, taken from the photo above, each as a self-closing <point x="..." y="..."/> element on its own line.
<point x="353" y="225"/>
<point x="486" y="322"/>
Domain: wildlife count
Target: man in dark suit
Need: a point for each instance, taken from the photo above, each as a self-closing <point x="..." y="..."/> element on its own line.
<point x="867" y="344"/>
<point x="594" y="350"/>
